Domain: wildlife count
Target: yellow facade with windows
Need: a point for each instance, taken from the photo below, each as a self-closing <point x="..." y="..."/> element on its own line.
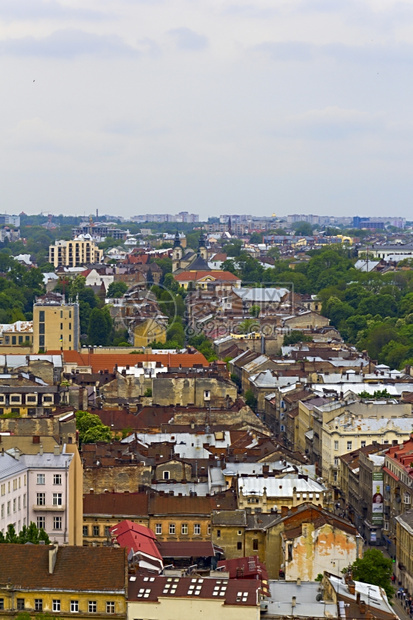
<point x="55" y="327"/>
<point x="62" y="604"/>
<point x="74" y="253"/>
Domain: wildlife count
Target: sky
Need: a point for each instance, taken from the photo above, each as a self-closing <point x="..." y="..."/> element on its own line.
<point x="207" y="106"/>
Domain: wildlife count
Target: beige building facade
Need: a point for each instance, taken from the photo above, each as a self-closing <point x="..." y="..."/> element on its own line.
<point x="74" y="253"/>
<point x="55" y="324"/>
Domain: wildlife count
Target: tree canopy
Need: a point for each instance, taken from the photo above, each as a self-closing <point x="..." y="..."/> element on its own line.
<point x="91" y="429"/>
<point x="31" y="534"/>
<point x="374" y="568"/>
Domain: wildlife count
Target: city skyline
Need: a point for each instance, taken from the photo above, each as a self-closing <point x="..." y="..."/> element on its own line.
<point x="149" y="106"/>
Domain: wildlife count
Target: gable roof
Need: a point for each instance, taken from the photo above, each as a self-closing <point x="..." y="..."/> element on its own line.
<point x="77" y="568"/>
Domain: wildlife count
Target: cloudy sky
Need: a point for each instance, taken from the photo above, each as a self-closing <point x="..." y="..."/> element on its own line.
<point x="207" y="106"/>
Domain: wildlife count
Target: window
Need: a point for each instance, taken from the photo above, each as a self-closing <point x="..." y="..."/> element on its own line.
<point x="24" y="500"/>
<point x="14" y="505"/>
<point x="8" y="508"/>
<point x="197" y="528"/>
<point x="218" y="533"/>
<point x="41" y="479"/>
<point x="363" y="444"/>
<point x="15" y="399"/>
<point x="336" y="445"/>
<point x="349" y="445"/>
<point x="57" y="523"/>
<point x="85" y="530"/>
<point x="166" y="475"/>
<point x="57" y="478"/>
<point x="38" y="604"/>
<point x="15" y="484"/>
<point x="107" y="531"/>
<point x="110" y="607"/>
<point x="255" y="544"/>
<point x="184" y="528"/>
<point x="41" y="316"/>
<point x="239" y="546"/>
<point x="74" y="606"/>
<point x="3" y="489"/>
<point x="41" y="341"/>
<point x="2" y="511"/>
<point x="57" y="499"/>
<point x="92" y="607"/>
<point x="172" y="528"/>
<point x="41" y="523"/>
<point x="96" y="530"/>
<point x="56" y="604"/>
<point x="336" y="461"/>
<point x="2" y="603"/>
<point x="158" y="528"/>
<point x="41" y="499"/>
<point x="20" y="604"/>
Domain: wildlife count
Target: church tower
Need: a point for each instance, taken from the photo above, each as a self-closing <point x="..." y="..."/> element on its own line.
<point x="177" y="253"/>
<point x="202" y="251"/>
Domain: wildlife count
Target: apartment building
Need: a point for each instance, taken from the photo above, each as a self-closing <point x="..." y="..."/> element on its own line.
<point x="75" y="253"/>
<point x="56" y="324"/>
<point x="44" y="488"/>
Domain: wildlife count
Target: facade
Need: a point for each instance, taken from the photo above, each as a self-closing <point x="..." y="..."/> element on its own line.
<point x="397" y="486"/>
<point x="268" y="494"/>
<point x="341" y="427"/>
<point x="404" y="546"/>
<point x="80" y="251"/>
<point x="17" y="334"/>
<point x="63" y="581"/>
<point x="43" y="488"/>
<point x="56" y="325"/>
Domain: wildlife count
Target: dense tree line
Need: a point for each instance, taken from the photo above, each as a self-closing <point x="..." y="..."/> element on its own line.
<point x="371" y="310"/>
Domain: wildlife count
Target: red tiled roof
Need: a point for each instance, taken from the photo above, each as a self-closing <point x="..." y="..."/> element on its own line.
<point x="108" y="361"/>
<point x="76" y="569"/>
<point x="225" y="276"/>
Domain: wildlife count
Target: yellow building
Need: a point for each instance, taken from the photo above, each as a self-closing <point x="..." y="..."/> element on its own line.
<point x="79" y="251"/>
<point x="55" y="324"/>
<point x="149" y="330"/>
<point x="17" y="334"/>
<point x="63" y="581"/>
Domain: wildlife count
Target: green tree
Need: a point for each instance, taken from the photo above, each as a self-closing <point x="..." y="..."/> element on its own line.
<point x="296" y="336"/>
<point x="117" y="289"/>
<point x="91" y="429"/>
<point x="374" y="568"/>
<point x="303" y="228"/>
<point x="255" y="311"/>
<point x="100" y="327"/>
<point x="256" y="237"/>
<point x="251" y="400"/>
<point x="247" y="326"/>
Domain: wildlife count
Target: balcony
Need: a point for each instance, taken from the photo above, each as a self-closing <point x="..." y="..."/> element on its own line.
<point x="49" y="508"/>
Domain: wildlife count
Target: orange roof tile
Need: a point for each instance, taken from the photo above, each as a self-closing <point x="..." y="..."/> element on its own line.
<point x="107" y="361"/>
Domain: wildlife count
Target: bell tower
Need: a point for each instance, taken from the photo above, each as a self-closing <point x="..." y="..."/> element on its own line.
<point x="177" y="253"/>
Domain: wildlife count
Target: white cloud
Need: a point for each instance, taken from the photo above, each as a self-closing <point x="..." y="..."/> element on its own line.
<point x="209" y="106"/>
